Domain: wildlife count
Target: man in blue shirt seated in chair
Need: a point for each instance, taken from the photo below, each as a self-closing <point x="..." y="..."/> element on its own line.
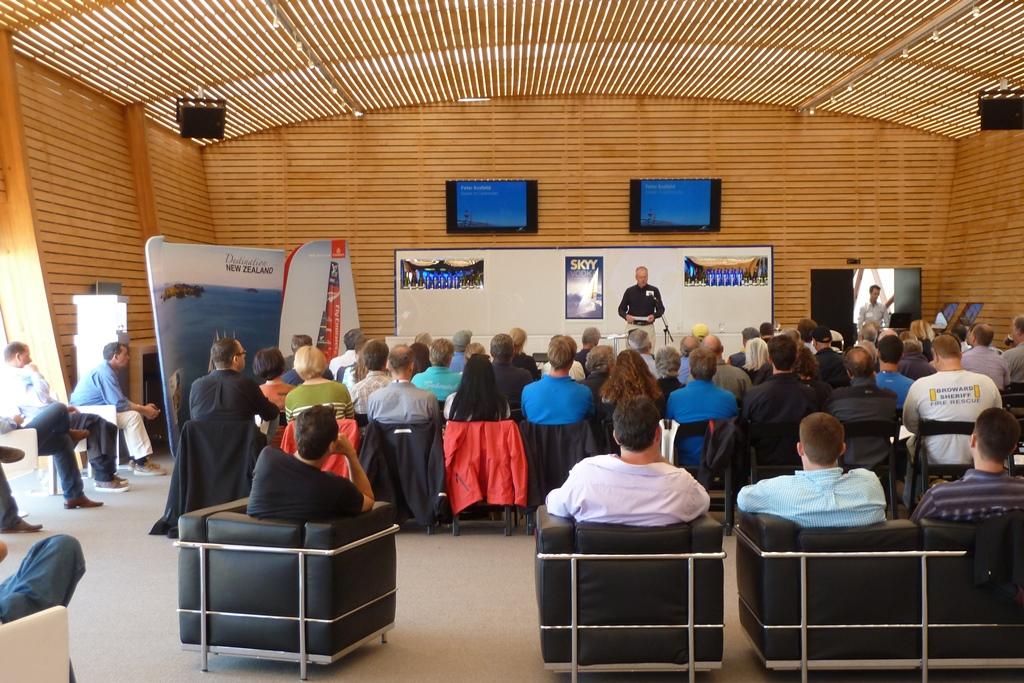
<point x="820" y="495"/>
<point x="555" y="399"/>
<point x="699" y="400"/>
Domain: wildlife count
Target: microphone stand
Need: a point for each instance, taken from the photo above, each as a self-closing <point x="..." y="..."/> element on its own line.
<point x="667" y="336"/>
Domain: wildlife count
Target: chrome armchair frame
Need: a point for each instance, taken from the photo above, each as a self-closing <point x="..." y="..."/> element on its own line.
<point x="575" y="627"/>
<point x="302" y="657"/>
<point x="804" y="664"/>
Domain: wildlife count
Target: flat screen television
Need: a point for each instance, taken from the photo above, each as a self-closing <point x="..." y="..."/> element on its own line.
<point x="675" y="205"/>
<point x="492" y="206"/>
<point x="970" y="314"/>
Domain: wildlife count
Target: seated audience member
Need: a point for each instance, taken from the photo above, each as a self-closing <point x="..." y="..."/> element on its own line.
<point x="1014" y="356"/>
<point x="591" y="337"/>
<point x="820" y="495"/>
<point x="439" y="379"/>
<point x="29" y="395"/>
<point x="353" y="341"/>
<point x="727" y="376"/>
<point x="686" y="347"/>
<point x="292" y="376"/>
<point x="576" y="372"/>
<point x="806" y="368"/>
<point x="699" y="400"/>
<point x="600" y="361"/>
<point x="890" y="350"/>
<point x="982" y="358"/>
<point x="477" y="398"/>
<point x="960" y="332"/>
<point x="629" y="378"/>
<point x="475" y="349"/>
<point x="638" y="340"/>
<point x="830" y="361"/>
<point x="520" y="359"/>
<point x="375" y="358"/>
<point x="10" y="521"/>
<point x="913" y="364"/>
<point x="509" y="379"/>
<point x="315" y="390"/>
<point x="758" y="366"/>
<point x="805" y="328"/>
<point x="766" y="331"/>
<point x="780" y="398"/>
<point x="293" y="488"/>
<point x="924" y="333"/>
<point x="460" y="340"/>
<point x="46" y="578"/>
<point x="699" y="331"/>
<point x="666" y="364"/>
<point x="862" y="401"/>
<point x="556" y="399"/>
<point x="424" y="339"/>
<point x="636" y="487"/>
<point x="269" y="366"/>
<point x="102" y="386"/>
<point x="738" y="359"/>
<point x="951" y="395"/>
<point x="420" y="357"/>
<point x="401" y="402"/>
<point x="225" y="393"/>
<point x="986" y="490"/>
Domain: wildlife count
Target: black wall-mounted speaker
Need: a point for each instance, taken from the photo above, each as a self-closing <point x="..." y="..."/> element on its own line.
<point x="1003" y="113"/>
<point x="201" y="118"/>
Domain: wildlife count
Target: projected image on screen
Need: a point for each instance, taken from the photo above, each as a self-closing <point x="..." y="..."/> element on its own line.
<point x="666" y="203"/>
<point x="494" y="204"/>
<point x="742" y="271"/>
<point x="442" y="274"/>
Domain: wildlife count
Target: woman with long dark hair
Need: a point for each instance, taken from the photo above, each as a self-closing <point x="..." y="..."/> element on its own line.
<point x="477" y="398"/>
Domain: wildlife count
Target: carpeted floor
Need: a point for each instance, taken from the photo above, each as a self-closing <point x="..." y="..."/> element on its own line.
<point x="466" y="609"/>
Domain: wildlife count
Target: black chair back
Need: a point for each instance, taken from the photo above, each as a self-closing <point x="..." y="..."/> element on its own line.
<point x="921" y="462"/>
<point x="772" y="437"/>
<point x="889" y="431"/>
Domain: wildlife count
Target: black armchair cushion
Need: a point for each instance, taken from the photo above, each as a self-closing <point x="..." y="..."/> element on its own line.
<point x="192" y="525"/>
<point x="770" y="533"/>
<point x="899" y="534"/>
<point x="235" y="528"/>
<point x="327" y="534"/>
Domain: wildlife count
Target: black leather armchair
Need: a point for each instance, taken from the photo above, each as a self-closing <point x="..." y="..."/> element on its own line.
<point x="607" y="593"/>
<point x="308" y="592"/>
<point x="858" y="597"/>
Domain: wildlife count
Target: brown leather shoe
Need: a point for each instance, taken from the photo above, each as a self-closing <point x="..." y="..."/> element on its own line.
<point x="81" y="502"/>
<point x="22" y="527"/>
<point x="9" y="455"/>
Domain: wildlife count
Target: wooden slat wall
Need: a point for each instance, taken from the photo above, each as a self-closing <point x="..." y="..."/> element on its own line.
<point x="820" y="189"/>
<point x="84" y="197"/>
<point x="179" y="184"/>
<point x="986" y="226"/>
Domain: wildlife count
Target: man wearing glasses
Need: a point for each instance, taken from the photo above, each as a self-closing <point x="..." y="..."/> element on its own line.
<point x="225" y="393"/>
<point x="102" y="386"/>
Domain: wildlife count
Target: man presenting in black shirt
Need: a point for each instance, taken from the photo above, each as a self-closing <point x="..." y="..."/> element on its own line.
<point x="293" y="487"/>
<point x="641" y="303"/>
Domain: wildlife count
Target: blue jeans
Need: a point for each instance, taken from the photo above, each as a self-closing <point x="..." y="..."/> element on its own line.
<point x="46" y="578"/>
<point x="8" y="508"/>
<point x="51" y="425"/>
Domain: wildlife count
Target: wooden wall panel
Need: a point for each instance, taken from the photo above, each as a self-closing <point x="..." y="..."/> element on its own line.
<point x="179" y="185"/>
<point x="820" y="189"/>
<point x="83" y="190"/>
<point x="986" y="226"/>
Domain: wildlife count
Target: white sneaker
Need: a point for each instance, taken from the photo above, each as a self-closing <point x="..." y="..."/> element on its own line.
<point x="150" y="469"/>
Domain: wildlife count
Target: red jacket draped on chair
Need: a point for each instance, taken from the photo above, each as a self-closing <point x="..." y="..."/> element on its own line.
<point x="484" y="461"/>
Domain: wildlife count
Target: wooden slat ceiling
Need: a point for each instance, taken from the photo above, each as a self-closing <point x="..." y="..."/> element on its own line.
<point x="919" y="63"/>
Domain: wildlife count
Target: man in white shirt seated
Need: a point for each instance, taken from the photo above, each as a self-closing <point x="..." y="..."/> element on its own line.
<point x="637" y="487"/>
<point x="951" y="395"/>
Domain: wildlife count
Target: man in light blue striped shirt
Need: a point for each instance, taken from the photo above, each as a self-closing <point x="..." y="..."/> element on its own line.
<point x="820" y="495"/>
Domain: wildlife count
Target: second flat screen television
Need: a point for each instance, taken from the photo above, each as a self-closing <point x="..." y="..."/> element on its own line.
<point x="491" y="206"/>
<point x="675" y="205"/>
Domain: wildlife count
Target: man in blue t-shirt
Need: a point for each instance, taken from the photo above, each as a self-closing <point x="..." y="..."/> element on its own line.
<point x="890" y="350"/>
<point x="699" y="400"/>
<point x="556" y="399"/>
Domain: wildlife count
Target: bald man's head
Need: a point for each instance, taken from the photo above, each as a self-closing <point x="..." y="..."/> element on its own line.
<point x="713" y="344"/>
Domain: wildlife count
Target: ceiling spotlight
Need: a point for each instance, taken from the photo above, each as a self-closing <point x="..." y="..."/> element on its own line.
<point x="356" y="113"/>
<point x="811" y="111"/>
<point x="935" y="34"/>
<point x="474" y="99"/>
<point x="906" y="53"/>
<point x="976" y="11"/>
<point x="334" y="89"/>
